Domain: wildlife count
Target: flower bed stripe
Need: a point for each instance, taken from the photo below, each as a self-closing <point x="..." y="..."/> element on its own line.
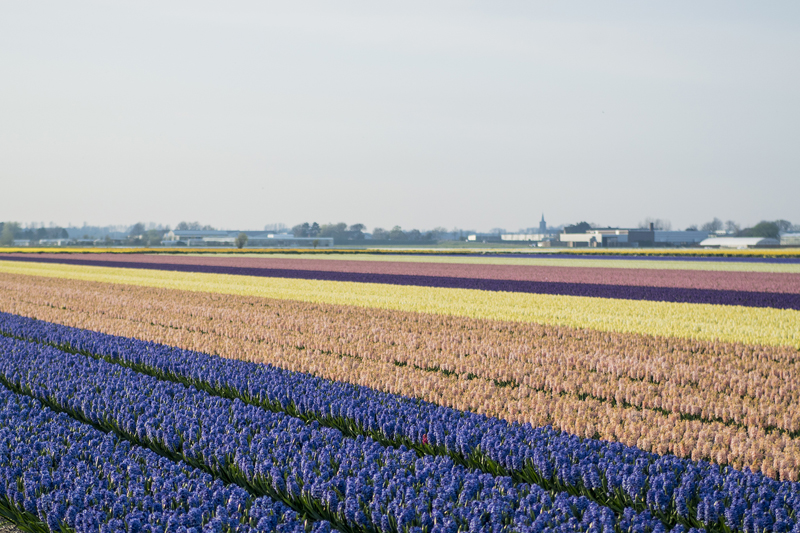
<point x="58" y="474"/>
<point x="626" y="292"/>
<point x="750" y="325"/>
<point x="357" y="483"/>
<point x="555" y="260"/>
<point x="697" y="279"/>
<point x="627" y="263"/>
<point x="528" y="454"/>
<point x="384" y="349"/>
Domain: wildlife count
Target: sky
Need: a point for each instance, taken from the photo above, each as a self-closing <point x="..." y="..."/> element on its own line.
<point x="470" y="114"/>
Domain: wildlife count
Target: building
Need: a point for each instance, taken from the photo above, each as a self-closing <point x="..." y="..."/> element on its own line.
<point x="255" y="239"/>
<point x="790" y="239"/>
<point x="739" y="242"/>
<point x="678" y="238"/>
<point x="55" y="242"/>
<point x="533" y="237"/>
<point x="610" y="237"/>
<point x="575" y="240"/>
<point x="485" y="237"/>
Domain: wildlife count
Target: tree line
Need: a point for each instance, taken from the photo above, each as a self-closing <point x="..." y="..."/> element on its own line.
<point x="11" y="231"/>
<point x="765" y="228"/>
<point x="341" y="232"/>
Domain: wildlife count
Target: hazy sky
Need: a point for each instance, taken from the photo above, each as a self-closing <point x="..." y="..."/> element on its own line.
<point x="422" y="114"/>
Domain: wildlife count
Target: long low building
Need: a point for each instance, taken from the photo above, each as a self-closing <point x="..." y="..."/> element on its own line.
<point x="632" y="237"/>
<point x="533" y="237"/>
<point x="255" y="239"/>
<point x="790" y="239"/>
<point x="739" y="242"/>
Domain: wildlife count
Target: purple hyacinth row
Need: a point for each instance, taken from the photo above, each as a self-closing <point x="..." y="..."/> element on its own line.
<point x="57" y="472"/>
<point x="358" y="484"/>
<point x="676" y="490"/>
<point x="624" y="292"/>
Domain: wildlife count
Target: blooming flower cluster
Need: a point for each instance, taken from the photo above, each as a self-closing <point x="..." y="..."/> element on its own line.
<point x="753" y="325"/>
<point x="727" y="403"/>
<point x="719" y="296"/>
<point x="491" y="268"/>
<point x="670" y="489"/>
<point x="357" y="483"/>
<point x="783" y="261"/>
<point x="57" y="474"/>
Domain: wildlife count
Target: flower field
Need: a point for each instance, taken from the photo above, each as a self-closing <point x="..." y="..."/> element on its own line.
<point x="399" y="394"/>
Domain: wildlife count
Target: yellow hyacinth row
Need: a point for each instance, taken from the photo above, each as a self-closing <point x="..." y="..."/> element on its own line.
<point x="777" y="327"/>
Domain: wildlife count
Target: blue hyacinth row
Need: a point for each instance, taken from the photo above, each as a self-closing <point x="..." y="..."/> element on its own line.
<point x="677" y="491"/>
<point x="356" y="483"/>
<point x="61" y="475"/>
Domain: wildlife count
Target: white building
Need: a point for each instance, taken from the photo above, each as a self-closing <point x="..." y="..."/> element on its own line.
<point x="582" y="239"/>
<point x="534" y="237"/>
<point x="739" y="242"/>
<point x="679" y="237"/>
<point x="790" y="239"/>
<point x="632" y="237"/>
<point x="55" y="242"/>
<point x="255" y="239"/>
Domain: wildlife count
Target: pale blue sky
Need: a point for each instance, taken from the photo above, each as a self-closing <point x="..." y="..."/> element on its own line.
<point x="423" y="114"/>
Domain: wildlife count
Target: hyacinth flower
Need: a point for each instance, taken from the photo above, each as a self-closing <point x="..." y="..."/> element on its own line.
<point x="514" y="371"/>
<point x="57" y="474"/>
<point x="356" y="484"/>
<point x="612" y="474"/>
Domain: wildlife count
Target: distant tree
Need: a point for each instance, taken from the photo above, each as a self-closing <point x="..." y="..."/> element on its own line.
<point x="658" y="224"/>
<point x="9" y="231"/>
<point x="193" y="226"/>
<point x="438" y="232"/>
<point x="153" y="237"/>
<point x="315" y="242"/>
<point x="580" y="227"/>
<point x="313" y="231"/>
<point x="693" y="227"/>
<point x="301" y="230"/>
<point x="336" y="231"/>
<point x="762" y="229"/>
<point x="784" y="226"/>
<point x="397" y="234"/>
<point x="137" y="229"/>
<point x="356" y="232"/>
<point x="414" y="235"/>
<point x="241" y="240"/>
<point x="380" y="234"/>
<point x="714" y="225"/>
<point x="731" y="227"/>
